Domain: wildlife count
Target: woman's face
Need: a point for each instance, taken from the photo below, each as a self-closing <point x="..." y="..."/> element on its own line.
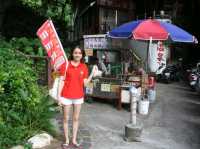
<point x="77" y="55"/>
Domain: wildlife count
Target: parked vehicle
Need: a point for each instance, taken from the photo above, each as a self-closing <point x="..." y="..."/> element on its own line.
<point x="170" y="73"/>
<point x="192" y="78"/>
<point x="197" y="87"/>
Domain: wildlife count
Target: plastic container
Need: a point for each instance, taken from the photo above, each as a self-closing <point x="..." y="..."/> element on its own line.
<point x="143" y="107"/>
<point x="152" y="95"/>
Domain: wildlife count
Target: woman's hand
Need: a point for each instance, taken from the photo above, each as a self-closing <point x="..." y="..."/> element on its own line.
<point x="92" y="74"/>
<point x="58" y="100"/>
<point x="59" y="103"/>
<point x="60" y="86"/>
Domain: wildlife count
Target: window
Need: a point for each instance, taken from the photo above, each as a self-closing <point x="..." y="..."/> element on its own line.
<point x="106" y="19"/>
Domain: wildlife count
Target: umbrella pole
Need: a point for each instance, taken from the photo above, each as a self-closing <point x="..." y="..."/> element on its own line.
<point x="147" y="57"/>
<point x="149" y="45"/>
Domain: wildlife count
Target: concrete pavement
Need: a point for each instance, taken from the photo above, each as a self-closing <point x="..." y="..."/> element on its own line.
<point x="173" y="122"/>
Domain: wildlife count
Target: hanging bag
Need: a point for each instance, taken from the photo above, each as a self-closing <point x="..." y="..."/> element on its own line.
<point x="53" y="92"/>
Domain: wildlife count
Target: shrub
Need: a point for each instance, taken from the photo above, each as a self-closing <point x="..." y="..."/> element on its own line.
<point x="24" y="105"/>
<point x="27" y="45"/>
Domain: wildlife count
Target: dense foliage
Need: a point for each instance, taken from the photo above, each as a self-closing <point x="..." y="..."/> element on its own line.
<point x="24" y="105"/>
<point x="28" y="46"/>
<point x="55" y="9"/>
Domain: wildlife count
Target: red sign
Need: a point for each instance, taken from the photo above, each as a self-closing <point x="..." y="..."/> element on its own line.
<point x="160" y="50"/>
<point x="52" y="44"/>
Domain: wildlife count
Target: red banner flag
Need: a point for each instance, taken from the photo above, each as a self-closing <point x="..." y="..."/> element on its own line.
<point x="51" y="42"/>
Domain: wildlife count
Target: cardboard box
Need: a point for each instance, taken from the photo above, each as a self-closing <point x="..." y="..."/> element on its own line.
<point x="115" y="88"/>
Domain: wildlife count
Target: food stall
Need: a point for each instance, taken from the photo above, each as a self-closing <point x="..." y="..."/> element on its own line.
<point x="118" y="65"/>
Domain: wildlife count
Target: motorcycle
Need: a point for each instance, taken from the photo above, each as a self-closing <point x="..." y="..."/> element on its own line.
<point x="170" y="73"/>
<point x="159" y="73"/>
<point x="193" y="78"/>
<point x="197" y="87"/>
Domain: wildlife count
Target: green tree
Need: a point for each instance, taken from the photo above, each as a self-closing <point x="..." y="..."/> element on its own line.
<point x="55" y="9"/>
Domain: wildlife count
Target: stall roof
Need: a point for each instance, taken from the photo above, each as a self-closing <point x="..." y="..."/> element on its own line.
<point x="94" y="36"/>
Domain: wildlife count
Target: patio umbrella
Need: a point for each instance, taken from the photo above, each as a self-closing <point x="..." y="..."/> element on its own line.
<point x="152" y="29"/>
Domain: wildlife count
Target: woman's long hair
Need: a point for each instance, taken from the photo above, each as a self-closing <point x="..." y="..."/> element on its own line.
<point x="82" y="51"/>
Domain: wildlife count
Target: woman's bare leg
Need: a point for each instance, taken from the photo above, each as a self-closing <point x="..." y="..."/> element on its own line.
<point x="66" y="111"/>
<point x="76" y="113"/>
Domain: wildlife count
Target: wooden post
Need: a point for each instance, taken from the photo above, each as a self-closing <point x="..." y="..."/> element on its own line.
<point x="48" y="70"/>
<point x="119" y="102"/>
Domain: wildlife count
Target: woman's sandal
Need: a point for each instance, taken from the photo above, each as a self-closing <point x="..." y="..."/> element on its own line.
<point x="78" y="146"/>
<point x="65" y="146"/>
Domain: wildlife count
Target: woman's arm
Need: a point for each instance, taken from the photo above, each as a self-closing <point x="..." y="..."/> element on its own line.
<point x="86" y="81"/>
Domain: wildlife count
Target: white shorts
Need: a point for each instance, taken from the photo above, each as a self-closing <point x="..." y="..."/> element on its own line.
<point x="68" y="101"/>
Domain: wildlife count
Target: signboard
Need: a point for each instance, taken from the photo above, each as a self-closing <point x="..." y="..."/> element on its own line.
<point x="95" y="43"/>
<point x="105" y="87"/>
<point x="52" y="44"/>
<point x="101" y="41"/>
<point x="125" y="96"/>
<point x="89" y="52"/>
<point x="158" y="54"/>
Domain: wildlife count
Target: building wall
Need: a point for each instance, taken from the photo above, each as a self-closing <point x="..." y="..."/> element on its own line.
<point x="101" y="17"/>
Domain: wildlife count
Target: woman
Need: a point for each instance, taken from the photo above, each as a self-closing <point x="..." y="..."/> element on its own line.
<point x="71" y="89"/>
